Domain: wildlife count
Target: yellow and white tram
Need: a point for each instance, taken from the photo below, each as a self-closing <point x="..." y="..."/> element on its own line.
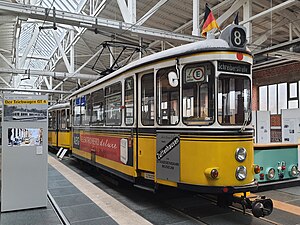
<point x="179" y="118"/>
<point x="59" y="133"/>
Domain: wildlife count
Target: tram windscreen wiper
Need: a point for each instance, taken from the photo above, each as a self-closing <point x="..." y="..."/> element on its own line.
<point x="246" y="120"/>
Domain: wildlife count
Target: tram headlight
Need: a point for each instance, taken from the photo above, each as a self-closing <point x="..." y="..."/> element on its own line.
<point x="293" y="171"/>
<point x="271" y="173"/>
<point x="241" y="173"/>
<point x="240" y="154"/>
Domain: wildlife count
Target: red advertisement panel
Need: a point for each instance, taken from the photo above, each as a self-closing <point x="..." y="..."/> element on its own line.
<point x="106" y="147"/>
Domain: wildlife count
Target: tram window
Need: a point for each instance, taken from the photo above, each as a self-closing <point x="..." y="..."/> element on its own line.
<point x="54" y="120"/>
<point x="234" y="105"/>
<point x="76" y="113"/>
<point x="98" y="107"/>
<point x="167" y="97"/>
<point x="63" y="123"/>
<point x="147" y="104"/>
<point x="129" y="101"/>
<point x="86" y="110"/>
<point x="113" y="114"/>
<point x="59" y="119"/>
<point x="50" y="120"/>
<point x="197" y="95"/>
<point x="68" y="118"/>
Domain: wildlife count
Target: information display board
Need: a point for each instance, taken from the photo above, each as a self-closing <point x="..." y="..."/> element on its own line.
<point x="24" y="167"/>
<point x="290" y="125"/>
<point x="262" y="126"/>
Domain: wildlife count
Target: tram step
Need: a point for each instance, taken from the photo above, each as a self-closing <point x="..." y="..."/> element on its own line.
<point x="151" y="189"/>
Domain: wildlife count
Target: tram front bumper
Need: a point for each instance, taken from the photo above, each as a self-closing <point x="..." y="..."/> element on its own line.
<point x="219" y="189"/>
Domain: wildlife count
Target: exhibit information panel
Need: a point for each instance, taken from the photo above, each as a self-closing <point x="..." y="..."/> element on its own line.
<point x="24" y="166"/>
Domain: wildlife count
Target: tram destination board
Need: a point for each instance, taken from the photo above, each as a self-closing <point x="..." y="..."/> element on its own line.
<point x="233" y="67"/>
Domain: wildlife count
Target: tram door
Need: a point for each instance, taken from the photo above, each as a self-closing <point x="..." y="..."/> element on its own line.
<point x="158" y="144"/>
<point x="146" y="133"/>
<point x="167" y="113"/>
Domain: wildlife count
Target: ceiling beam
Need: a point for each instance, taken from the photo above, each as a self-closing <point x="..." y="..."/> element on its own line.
<point x="277" y="47"/>
<point x="90" y="22"/>
<point x="219" y="6"/>
<point x="153" y="10"/>
<point x="49" y="73"/>
<point x="274" y="9"/>
<point x="233" y="9"/>
<point x="6" y="60"/>
<point x="5" y="82"/>
<point x="33" y="39"/>
<point x="35" y="90"/>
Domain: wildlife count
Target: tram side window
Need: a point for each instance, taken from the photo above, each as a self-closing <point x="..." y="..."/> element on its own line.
<point x="54" y="120"/>
<point x="98" y="107"/>
<point x="86" y="112"/>
<point x="147" y="104"/>
<point x="76" y="113"/>
<point x="59" y="119"/>
<point x="197" y="95"/>
<point x="113" y="101"/>
<point x="129" y="101"/>
<point x="68" y="118"/>
<point x="167" y="96"/>
<point x="50" y="120"/>
<point x="63" y="123"/>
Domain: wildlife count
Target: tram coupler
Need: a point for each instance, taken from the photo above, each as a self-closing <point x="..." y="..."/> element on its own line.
<point x="260" y="206"/>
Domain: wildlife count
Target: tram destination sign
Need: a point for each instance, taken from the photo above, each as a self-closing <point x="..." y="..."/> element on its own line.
<point x="233" y="67"/>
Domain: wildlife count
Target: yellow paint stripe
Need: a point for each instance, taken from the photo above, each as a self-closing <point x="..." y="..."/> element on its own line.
<point x="286" y="207"/>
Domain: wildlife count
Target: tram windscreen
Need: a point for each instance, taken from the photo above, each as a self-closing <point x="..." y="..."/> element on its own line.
<point x="234" y="100"/>
<point x="197" y="94"/>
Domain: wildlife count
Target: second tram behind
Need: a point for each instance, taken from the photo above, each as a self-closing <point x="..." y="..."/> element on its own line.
<point x="59" y="133"/>
<point x="278" y="162"/>
<point x="179" y="118"/>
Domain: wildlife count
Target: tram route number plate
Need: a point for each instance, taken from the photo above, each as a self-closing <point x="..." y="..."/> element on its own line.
<point x="168" y="156"/>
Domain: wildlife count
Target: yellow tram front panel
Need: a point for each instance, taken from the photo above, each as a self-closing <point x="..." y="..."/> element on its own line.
<point x="198" y="155"/>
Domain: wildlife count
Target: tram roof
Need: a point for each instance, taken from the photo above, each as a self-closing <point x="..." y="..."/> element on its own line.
<point x="200" y="46"/>
<point x="59" y="106"/>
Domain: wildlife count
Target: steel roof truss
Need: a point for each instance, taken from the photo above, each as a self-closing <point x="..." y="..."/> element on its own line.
<point x="6" y="60"/>
<point x="4" y="81"/>
<point x="128" y="12"/>
<point x="153" y="10"/>
<point x="29" y="46"/>
<point x="62" y="52"/>
<point x="77" y="71"/>
<point x="92" y="22"/>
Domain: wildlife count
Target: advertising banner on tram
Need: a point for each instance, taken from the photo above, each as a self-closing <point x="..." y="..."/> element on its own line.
<point x="112" y="148"/>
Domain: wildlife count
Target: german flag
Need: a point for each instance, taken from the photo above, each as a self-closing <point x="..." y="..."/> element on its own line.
<point x="209" y="21"/>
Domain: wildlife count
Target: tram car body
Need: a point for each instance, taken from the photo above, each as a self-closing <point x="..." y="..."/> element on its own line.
<point x="59" y="132"/>
<point x="277" y="161"/>
<point x="179" y="118"/>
